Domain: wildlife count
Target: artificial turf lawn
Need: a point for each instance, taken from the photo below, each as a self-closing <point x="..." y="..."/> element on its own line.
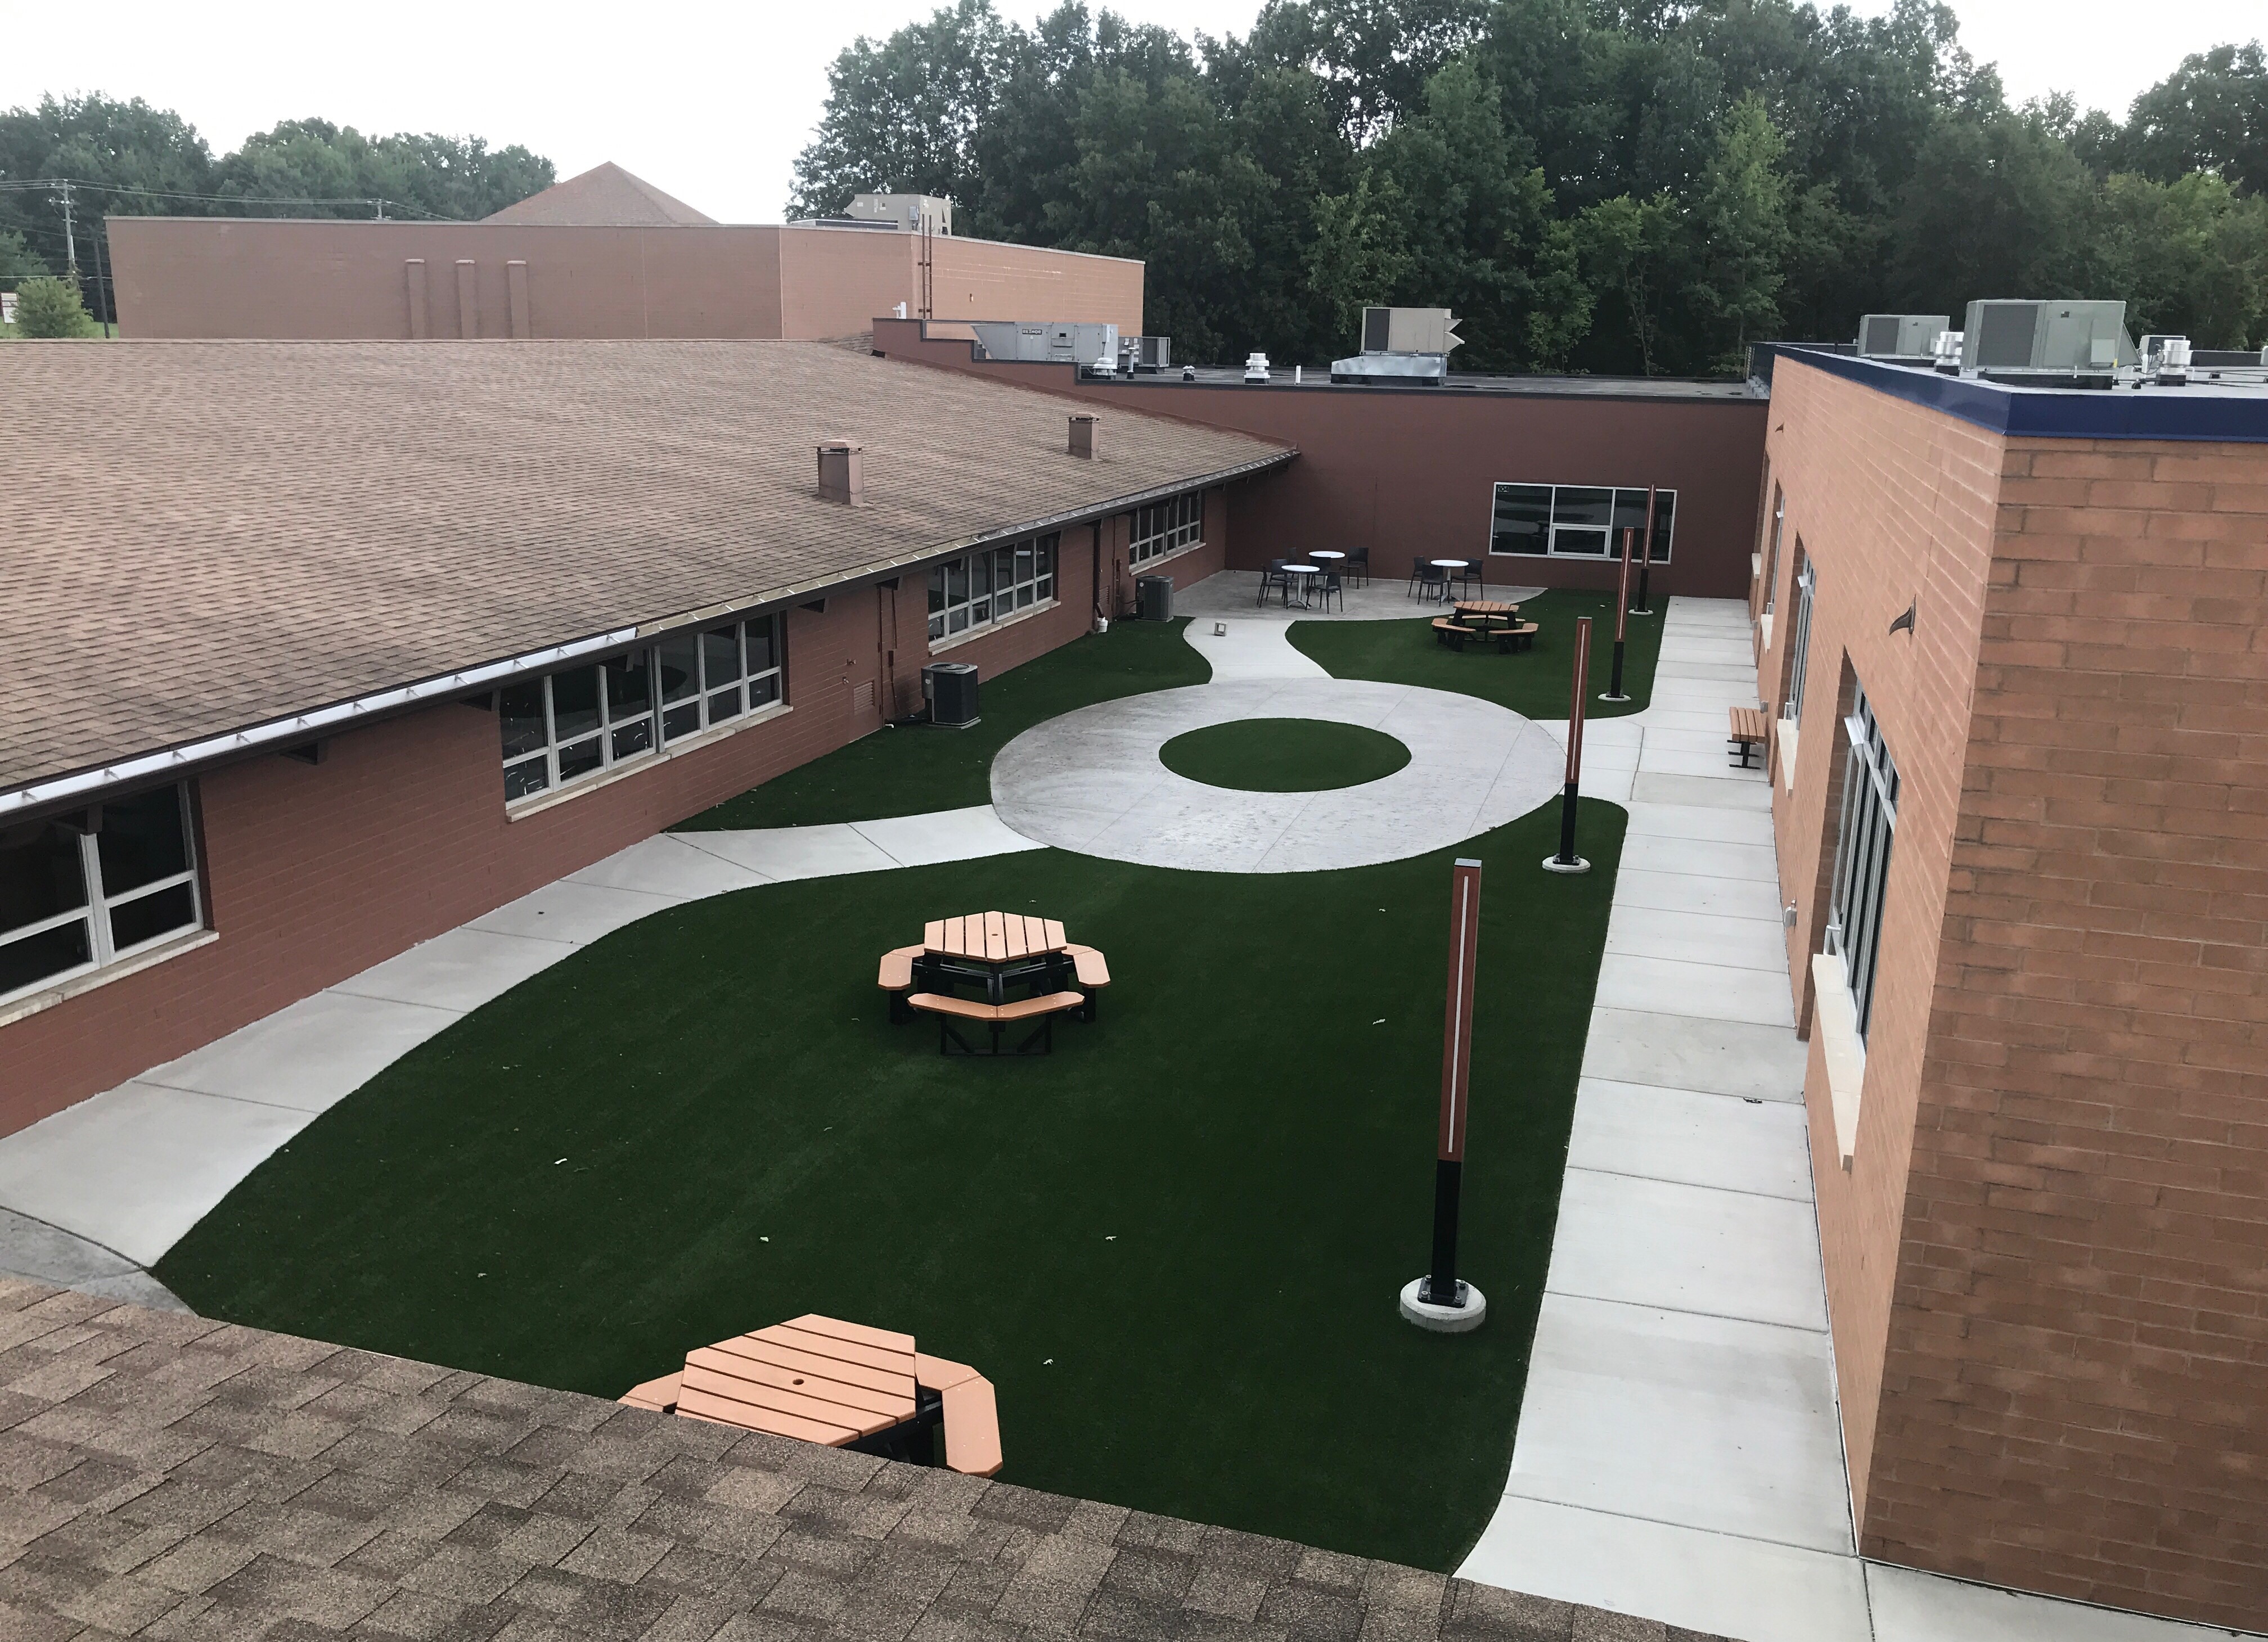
<point x="1284" y="755"/>
<point x="918" y="769"/>
<point x="1533" y="683"/>
<point x="1174" y="1245"/>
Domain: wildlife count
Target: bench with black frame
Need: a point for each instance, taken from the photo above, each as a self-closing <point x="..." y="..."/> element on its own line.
<point x="993" y="954"/>
<point x="1518" y="635"/>
<point x="1748" y="735"/>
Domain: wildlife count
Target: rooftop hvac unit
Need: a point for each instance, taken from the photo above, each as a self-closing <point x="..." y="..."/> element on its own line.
<point x="1901" y="335"/>
<point x="1146" y="354"/>
<point x="1057" y="342"/>
<point x="2067" y="343"/>
<point x="1402" y="345"/>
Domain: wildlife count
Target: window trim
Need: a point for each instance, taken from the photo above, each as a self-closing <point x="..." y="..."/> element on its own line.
<point x="1172" y="537"/>
<point x="105" y="955"/>
<point x="1799" y="651"/>
<point x="1772" y="550"/>
<point x="937" y="626"/>
<point x="1552" y="549"/>
<point x="1865" y="835"/>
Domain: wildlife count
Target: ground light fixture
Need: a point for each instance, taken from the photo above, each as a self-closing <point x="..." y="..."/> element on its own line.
<point x="1567" y="860"/>
<point x="1622" y="618"/>
<point x="1441" y="1301"/>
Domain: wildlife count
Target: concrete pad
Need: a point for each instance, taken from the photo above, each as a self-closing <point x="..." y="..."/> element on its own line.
<point x="312" y="1054"/>
<point x="1708" y="1422"/>
<point x="1253" y="647"/>
<point x="576" y="913"/>
<point x="1910" y="1606"/>
<point x="133" y="1168"/>
<point x="666" y="864"/>
<point x="1716" y="764"/>
<point x="1680" y="1052"/>
<point x="1756" y="863"/>
<point x="1740" y="671"/>
<point x="783" y="853"/>
<point x="1707" y="824"/>
<point x="1640" y="886"/>
<point x="1701" y="790"/>
<point x="1719" y="1140"/>
<point x="1717" y="1584"/>
<point x="1681" y="1247"/>
<point x="1680" y="713"/>
<point x="48" y="1254"/>
<point x="969" y="834"/>
<point x="461" y="970"/>
<point x="1753" y="944"/>
<point x="1711" y="990"/>
<point x="1712" y="740"/>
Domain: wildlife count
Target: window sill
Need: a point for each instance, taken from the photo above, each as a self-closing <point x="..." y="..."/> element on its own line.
<point x="1755" y="566"/>
<point x="1835" y="1020"/>
<point x="1786" y="737"/>
<point x="47" y="998"/>
<point x="938" y="646"/>
<point x="1764" y="626"/>
<point x="520" y="809"/>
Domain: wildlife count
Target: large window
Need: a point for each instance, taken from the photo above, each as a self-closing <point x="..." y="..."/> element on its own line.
<point x="1862" y="859"/>
<point x="1772" y="550"/>
<point x="86" y="888"/>
<point x="990" y="585"/>
<point x="1798" y="649"/>
<point x="582" y="720"/>
<point x="1167" y="526"/>
<point x="1579" y="521"/>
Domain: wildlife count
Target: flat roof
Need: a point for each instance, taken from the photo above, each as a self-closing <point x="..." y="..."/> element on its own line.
<point x="204" y="537"/>
<point x="2210" y="408"/>
<point x="1318" y="377"/>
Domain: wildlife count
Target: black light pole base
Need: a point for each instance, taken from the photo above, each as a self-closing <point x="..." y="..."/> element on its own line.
<point x="1642" y="608"/>
<point x="1566" y="860"/>
<point x="1614" y="678"/>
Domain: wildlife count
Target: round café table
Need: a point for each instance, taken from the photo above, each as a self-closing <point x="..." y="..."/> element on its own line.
<point x="1302" y="572"/>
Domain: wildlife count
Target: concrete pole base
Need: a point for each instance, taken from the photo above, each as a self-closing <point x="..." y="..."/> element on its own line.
<point x="1613" y="697"/>
<point x="1552" y="863"/>
<point x="1444" y="1319"/>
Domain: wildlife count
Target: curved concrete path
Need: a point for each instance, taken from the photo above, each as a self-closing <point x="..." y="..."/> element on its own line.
<point x="1091" y="780"/>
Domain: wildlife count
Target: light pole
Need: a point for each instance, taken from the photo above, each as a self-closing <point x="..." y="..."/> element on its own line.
<point x="1440" y="1301"/>
<point x="1567" y="860"/>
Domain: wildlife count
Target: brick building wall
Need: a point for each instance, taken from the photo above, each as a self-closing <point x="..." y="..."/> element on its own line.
<point x="2047" y="1264"/>
<point x="314" y="873"/>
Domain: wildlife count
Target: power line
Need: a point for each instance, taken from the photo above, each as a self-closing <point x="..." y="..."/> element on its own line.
<point x="51" y="184"/>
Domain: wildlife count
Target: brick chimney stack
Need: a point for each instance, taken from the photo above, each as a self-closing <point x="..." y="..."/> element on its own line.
<point x="842" y="471"/>
<point x="1083" y="436"/>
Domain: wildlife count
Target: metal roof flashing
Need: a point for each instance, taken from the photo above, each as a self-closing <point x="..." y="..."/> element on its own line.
<point x="2225" y="414"/>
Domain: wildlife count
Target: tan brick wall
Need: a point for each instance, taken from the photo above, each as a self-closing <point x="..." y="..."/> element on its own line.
<point x="2075" y="1395"/>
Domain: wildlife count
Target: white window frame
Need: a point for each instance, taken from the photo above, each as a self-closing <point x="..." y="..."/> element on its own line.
<point x="1010" y="588"/>
<point x="712" y="704"/>
<point x="1807" y="587"/>
<point x="1665" y="523"/>
<point x="1772" y="551"/>
<point x="99" y="904"/>
<point x="1862" y="856"/>
<point x="1163" y="527"/>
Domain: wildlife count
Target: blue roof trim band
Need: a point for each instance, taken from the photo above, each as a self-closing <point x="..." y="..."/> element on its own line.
<point x="2194" y="413"/>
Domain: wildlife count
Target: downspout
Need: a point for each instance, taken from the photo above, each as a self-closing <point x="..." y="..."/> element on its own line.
<point x="1095" y="583"/>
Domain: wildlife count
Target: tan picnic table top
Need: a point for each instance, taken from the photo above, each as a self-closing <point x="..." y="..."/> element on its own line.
<point x="993" y="937"/>
<point x="1484" y="607"/>
<point x="816" y="1378"/>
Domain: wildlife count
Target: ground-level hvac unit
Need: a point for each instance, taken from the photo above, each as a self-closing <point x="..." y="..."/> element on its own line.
<point x="1155" y="594"/>
<point x="2071" y="343"/>
<point x="1901" y="335"/>
<point x="950" y="689"/>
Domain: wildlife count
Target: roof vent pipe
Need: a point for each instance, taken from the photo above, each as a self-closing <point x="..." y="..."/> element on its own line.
<point x="842" y="471"/>
<point x="1083" y="436"/>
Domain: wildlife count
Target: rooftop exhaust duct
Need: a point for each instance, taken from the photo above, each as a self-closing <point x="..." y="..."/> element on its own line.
<point x="1083" y="432"/>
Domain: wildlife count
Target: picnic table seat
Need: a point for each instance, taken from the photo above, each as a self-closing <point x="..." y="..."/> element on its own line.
<point x="1747" y="734"/>
<point x="1093" y="972"/>
<point x="660" y="1395"/>
<point x="997" y="1017"/>
<point x="896" y="978"/>
<point x="1516" y="636"/>
<point x="971" y="1417"/>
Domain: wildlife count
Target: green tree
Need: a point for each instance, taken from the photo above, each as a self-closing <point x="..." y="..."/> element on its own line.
<point x="1360" y="252"/>
<point x="47" y="308"/>
<point x="2209" y="115"/>
<point x="16" y="257"/>
<point x="1742" y="220"/>
<point x="1997" y="207"/>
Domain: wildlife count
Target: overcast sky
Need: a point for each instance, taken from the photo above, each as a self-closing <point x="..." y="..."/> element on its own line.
<point x="712" y="101"/>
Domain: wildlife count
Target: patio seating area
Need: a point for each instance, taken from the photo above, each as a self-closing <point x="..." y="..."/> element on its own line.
<point x="1481" y="622"/>
<point x="994" y="953"/>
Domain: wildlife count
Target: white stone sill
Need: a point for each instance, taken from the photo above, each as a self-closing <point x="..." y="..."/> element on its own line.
<point x="939" y="647"/>
<point x="520" y="809"/>
<point x="48" y="997"/>
<point x="1787" y="734"/>
<point x="1835" y="1018"/>
<point x="1764" y="626"/>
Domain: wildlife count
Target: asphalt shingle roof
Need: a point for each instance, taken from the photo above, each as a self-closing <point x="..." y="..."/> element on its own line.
<point x="200" y="537"/>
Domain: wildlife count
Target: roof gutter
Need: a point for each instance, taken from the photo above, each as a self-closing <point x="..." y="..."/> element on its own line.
<point x="296" y="727"/>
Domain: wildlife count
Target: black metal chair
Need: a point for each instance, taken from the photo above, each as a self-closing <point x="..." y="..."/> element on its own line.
<point x="1326" y="585"/>
<point x="1428" y="579"/>
<point x="1274" y="576"/>
<point x="1357" y="567"/>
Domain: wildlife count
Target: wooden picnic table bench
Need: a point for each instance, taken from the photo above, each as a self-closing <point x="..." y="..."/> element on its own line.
<point x="997" y="1017"/>
<point x="993" y="950"/>
<point x="1749" y="734"/>
<point x="842" y="1384"/>
<point x="1518" y="635"/>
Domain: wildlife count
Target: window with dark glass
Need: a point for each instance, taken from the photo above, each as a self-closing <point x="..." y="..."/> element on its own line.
<point x="1166" y="526"/>
<point x="1798" y="649"/>
<point x="990" y="585"/>
<point x="1772" y="551"/>
<point x="1862" y="855"/>
<point x="712" y="677"/>
<point x="1579" y="521"/>
<point x="86" y="888"/>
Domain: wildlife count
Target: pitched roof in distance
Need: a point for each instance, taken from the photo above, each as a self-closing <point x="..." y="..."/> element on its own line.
<point x="263" y="528"/>
<point x="605" y="196"/>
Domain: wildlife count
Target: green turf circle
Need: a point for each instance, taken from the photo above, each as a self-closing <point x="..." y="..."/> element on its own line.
<point x="1284" y="755"/>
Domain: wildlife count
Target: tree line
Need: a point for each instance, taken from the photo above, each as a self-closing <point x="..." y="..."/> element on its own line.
<point x="126" y="157"/>
<point x="1611" y="186"/>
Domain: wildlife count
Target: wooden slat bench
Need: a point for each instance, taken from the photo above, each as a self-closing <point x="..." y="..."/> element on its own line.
<point x="971" y="1418"/>
<point x="896" y="978"/>
<point x="1515" y="636"/>
<point x="997" y="1017"/>
<point x="1094" y="975"/>
<point x="1748" y="735"/>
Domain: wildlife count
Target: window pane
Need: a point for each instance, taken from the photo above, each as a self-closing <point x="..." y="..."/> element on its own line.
<point x="159" y="913"/>
<point x="1665" y="509"/>
<point x="574" y="703"/>
<point x="141" y="841"/>
<point x="761" y="691"/>
<point x="760" y="658"/>
<point x="520" y="713"/>
<point x="720" y="655"/>
<point x="633" y="739"/>
<point x="581" y="759"/>
<point x="35" y="957"/>
<point x="1047" y="554"/>
<point x="937" y="589"/>
<point x="1577" y="541"/>
<point x="956" y="582"/>
<point x="980" y="568"/>
<point x="1024" y="596"/>
<point x="937" y="627"/>
<point x="630" y="686"/>
<point x="1583" y="504"/>
<point x="723" y="704"/>
<point x="680" y="664"/>
<point x="981" y="611"/>
<point x="529" y="776"/>
<point x="1523" y="519"/>
<point x="1047" y="586"/>
<point x="1028" y="561"/>
<point x="1629" y="515"/>
<point x="681" y="720"/>
<point x="959" y="619"/>
<point x="39" y="873"/>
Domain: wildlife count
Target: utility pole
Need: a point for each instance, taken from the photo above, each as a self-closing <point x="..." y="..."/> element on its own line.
<point x="70" y="245"/>
<point x="381" y="208"/>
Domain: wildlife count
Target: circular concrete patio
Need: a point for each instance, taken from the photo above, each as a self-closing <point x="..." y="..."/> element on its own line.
<point x="1091" y="780"/>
